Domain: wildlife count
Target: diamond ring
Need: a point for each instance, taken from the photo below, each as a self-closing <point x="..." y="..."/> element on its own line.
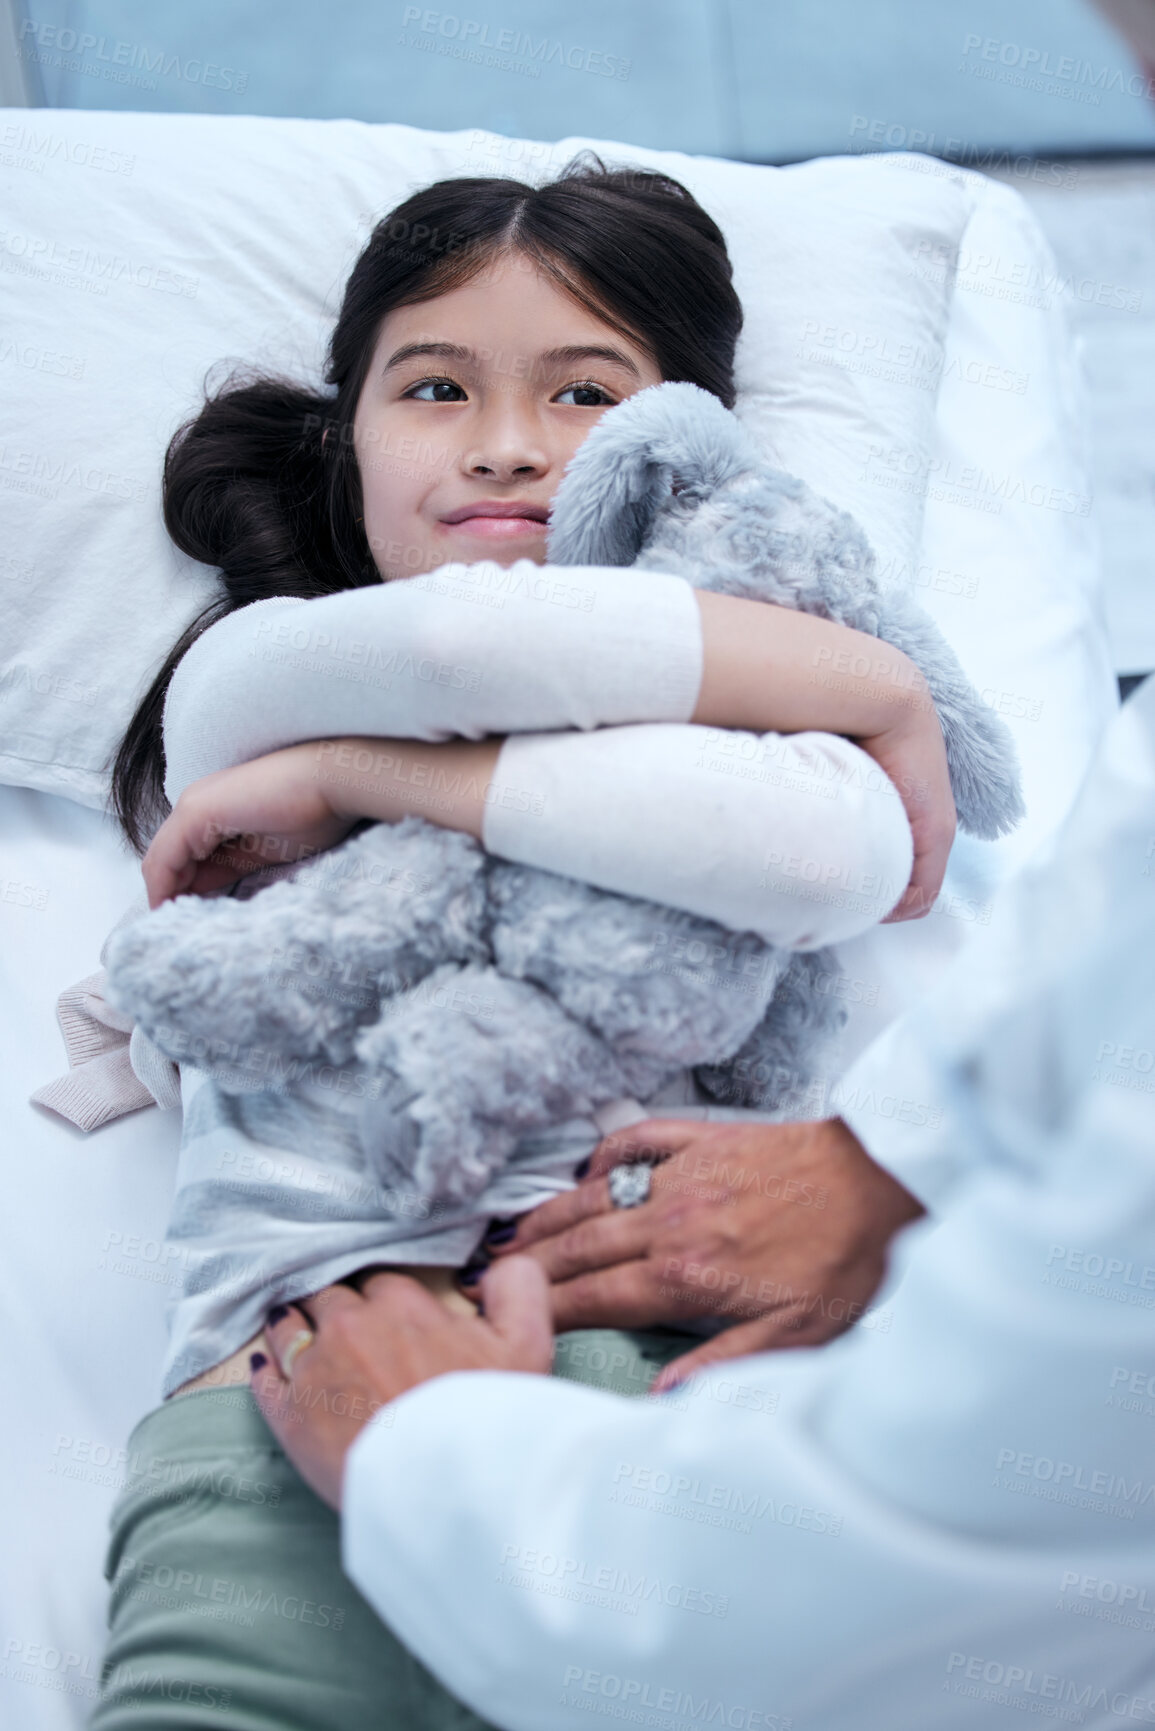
<point x="630" y="1183"/>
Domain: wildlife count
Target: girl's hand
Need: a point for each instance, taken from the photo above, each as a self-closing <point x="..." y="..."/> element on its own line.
<point x="272" y="810"/>
<point x="769" y="669"/>
<point x="913" y="754"/>
<point x="299" y="801"/>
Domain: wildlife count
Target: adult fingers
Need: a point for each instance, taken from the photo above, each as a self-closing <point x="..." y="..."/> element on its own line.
<point x="761" y="1335"/>
<point x="287" y="1324"/>
<point x="656" y="1137"/>
<point x="598" y="1241"/>
<point x="624" y="1296"/>
<point x="517" y="1307"/>
<point x="557" y="1215"/>
<point x="289" y="1332"/>
<point x="790" y="1326"/>
<point x="272" y="1392"/>
<point x="404" y="1305"/>
<point x="271" y="1386"/>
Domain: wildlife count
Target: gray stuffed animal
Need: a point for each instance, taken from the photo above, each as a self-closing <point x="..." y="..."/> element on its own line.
<point x="469" y="1001"/>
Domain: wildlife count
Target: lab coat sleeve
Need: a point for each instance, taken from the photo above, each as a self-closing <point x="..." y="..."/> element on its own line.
<point x="461" y="652"/>
<point x="905" y="1528"/>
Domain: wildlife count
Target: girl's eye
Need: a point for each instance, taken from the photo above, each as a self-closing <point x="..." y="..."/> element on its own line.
<point x="588" y="389"/>
<point x="590" y="396"/>
<point x="434" y="385"/>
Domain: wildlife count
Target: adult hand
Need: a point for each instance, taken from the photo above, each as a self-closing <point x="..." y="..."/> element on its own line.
<point x="373" y="1344"/>
<point x="784" y="1227"/>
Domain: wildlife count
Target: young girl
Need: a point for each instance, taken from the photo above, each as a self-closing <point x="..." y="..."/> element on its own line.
<point x="485" y="328"/>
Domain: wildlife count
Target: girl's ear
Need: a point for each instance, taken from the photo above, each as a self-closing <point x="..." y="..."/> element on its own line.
<point x="673" y="437"/>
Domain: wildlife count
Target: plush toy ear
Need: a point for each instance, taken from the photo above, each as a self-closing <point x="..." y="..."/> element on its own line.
<point x="669" y="438"/>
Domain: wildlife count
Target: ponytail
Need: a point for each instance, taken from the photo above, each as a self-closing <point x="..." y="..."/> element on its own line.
<point x="253" y="486"/>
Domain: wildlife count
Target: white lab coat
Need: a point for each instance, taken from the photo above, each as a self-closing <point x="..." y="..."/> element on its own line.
<point x="946" y="1519"/>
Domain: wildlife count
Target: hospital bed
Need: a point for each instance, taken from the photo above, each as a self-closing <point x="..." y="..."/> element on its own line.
<point x="902" y="352"/>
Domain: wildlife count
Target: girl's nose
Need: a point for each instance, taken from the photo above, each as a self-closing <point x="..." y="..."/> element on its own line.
<point x="508" y="465"/>
<point x="507" y="448"/>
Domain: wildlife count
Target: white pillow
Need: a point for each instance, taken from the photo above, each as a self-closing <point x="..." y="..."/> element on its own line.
<point x="145" y="248"/>
<point x="1010" y="571"/>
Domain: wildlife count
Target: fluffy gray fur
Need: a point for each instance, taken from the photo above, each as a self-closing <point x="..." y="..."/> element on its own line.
<point x="469" y="1001"/>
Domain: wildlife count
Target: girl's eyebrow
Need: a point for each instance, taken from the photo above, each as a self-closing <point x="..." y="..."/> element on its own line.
<point x="570" y="354"/>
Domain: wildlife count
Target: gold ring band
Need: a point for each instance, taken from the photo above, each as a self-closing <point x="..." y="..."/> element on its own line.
<point x="304" y="1337"/>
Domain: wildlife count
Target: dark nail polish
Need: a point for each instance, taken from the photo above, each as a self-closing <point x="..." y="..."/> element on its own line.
<point x="277" y="1314"/>
<point x="582" y="1167"/>
<point x="471" y="1276"/>
<point x="500" y="1232"/>
<point x="257" y="1361"/>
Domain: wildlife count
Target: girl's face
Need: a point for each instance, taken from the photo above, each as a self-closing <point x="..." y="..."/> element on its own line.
<point x="473" y="405"/>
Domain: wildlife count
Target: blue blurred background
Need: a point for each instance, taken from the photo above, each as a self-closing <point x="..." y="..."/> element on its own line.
<point x="763" y="80"/>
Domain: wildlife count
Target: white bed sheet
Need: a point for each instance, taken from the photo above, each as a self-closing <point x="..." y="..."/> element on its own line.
<point x="81" y="1286"/>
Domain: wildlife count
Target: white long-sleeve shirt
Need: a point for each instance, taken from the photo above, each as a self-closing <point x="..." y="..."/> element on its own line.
<point x="593" y="672"/>
<point x="947" y="1521"/>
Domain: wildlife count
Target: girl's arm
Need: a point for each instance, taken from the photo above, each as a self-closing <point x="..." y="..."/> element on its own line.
<point x="471" y="650"/>
<point x="461" y="652"/>
<point x="800" y="838"/>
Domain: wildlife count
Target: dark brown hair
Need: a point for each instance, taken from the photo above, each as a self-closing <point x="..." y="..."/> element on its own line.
<point x="252" y="486"/>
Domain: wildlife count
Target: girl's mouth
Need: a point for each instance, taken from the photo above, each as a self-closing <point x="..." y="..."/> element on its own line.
<point x="495" y="528"/>
<point x="497" y="519"/>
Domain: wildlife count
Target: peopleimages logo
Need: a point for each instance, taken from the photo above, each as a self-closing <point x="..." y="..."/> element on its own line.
<point x="629" y="1694"/>
<point x="470" y="35"/>
<point x="1029" y="67"/>
<point x="1107" y="1592"/>
<point x="1072" y="1483"/>
<point x="1022" y="1686"/>
<point x="117" y="60"/>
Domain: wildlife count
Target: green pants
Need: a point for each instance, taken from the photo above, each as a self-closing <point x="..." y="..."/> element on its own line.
<point x="229" y="1606"/>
